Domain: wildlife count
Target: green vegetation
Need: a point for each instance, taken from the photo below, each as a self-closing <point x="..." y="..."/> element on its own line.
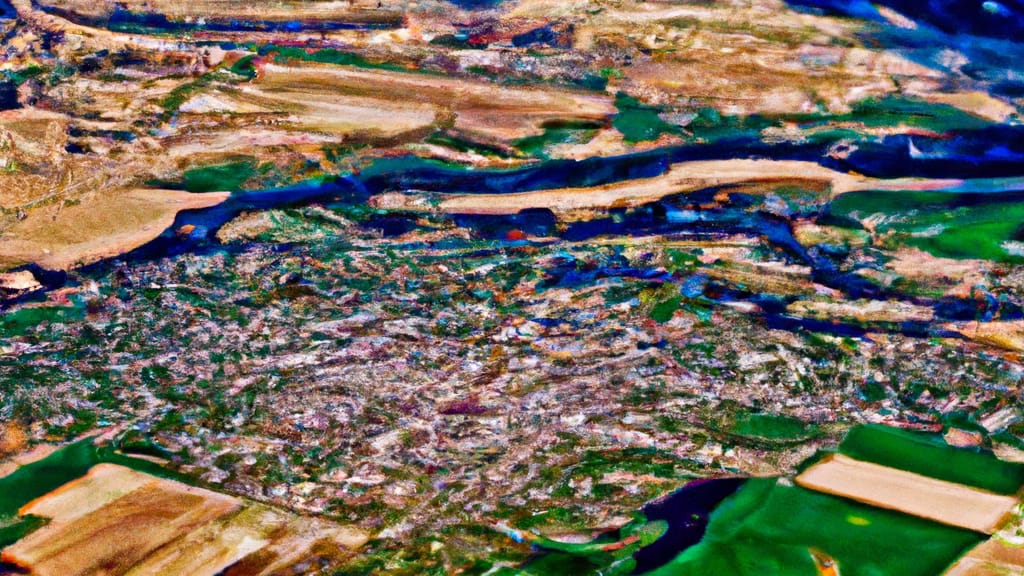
<point x="25" y="74"/>
<point x="769" y="527"/>
<point x="327" y="56"/>
<point x="605" y="555"/>
<point x="888" y="111"/>
<point x="386" y="165"/>
<point x="928" y="455"/>
<point x="709" y="125"/>
<point x="22" y="321"/>
<point x="14" y="528"/>
<point x="894" y="110"/>
<point x="461" y="144"/>
<point x="664" y="310"/>
<point x="557" y="133"/>
<point x="946" y="225"/>
<point x="771" y="427"/>
<point x="229" y="176"/>
<point x="980" y="232"/>
<point x="658" y="463"/>
<point x="245" y="67"/>
<point x="639" y="122"/>
<point x="175" y="98"/>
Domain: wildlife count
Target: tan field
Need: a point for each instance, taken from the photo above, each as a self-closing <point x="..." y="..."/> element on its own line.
<point x="111" y="224"/>
<point x="747" y="57"/>
<point x="577" y="203"/>
<point x="313" y="104"/>
<point x="753" y="57"/>
<point x="476" y="106"/>
<point x="861" y="311"/>
<point x="769" y="278"/>
<point x="311" y="109"/>
<point x="101" y="486"/>
<point x="884" y="487"/>
<point x="1008" y="335"/>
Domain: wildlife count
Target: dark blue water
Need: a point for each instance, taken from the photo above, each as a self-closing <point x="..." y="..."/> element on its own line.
<point x="687" y="512"/>
<point x="207" y="221"/>
<point x="129" y="21"/>
<point x="137" y="21"/>
<point x="989" y="34"/>
<point x="994" y="151"/>
<point x="6" y="10"/>
<point x="997" y="151"/>
<point x="1003" y="19"/>
<point x="142" y="22"/>
<point x="477" y="4"/>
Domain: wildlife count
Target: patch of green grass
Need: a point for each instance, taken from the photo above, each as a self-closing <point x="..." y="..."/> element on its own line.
<point x="873" y="391"/>
<point x="578" y="132"/>
<point x="710" y="125"/>
<point x="769" y="527"/>
<point x="663" y="311"/>
<point x="978" y="239"/>
<point x="946" y="225"/>
<point x="929" y="455"/>
<point x="217" y="177"/>
<point x="640" y="122"/>
<point x="658" y="463"/>
<point x="463" y="145"/>
<point x="178" y="96"/>
<point x="24" y="74"/>
<point x="893" y="110"/>
<point x="771" y="426"/>
<point x="14" y="528"/>
<point x="245" y="66"/>
<point x="20" y="322"/>
<point x="327" y="56"/>
<point x="558" y="516"/>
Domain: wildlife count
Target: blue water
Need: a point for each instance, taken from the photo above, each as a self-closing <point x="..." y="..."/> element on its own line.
<point x="126" y="20"/>
<point x="477" y="4"/>
<point x="129" y="21"/>
<point x="1003" y="19"/>
<point x="989" y="34"/>
<point x="6" y="10"/>
<point x="997" y="151"/>
<point x="989" y="152"/>
<point x="687" y="512"/>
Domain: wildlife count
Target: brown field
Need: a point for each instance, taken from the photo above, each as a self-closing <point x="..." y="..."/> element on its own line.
<point x="766" y="277"/>
<point x="312" y="109"/>
<point x="994" y="557"/>
<point x="118" y="535"/>
<point x="316" y="104"/>
<point x="752" y="57"/>
<point x="115" y="520"/>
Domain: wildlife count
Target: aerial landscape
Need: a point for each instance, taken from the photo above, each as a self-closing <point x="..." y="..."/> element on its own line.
<point x="511" y="287"/>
